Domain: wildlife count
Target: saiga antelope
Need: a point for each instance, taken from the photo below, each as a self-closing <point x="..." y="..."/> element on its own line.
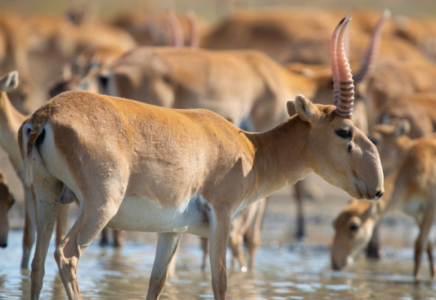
<point x="410" y="185"/>
<point x="246" y="87"/>
<point x="300" y="35"/>
<point x="10" y="121"/>
<point x="173" y="171"/>
<point x="6" y="202"/>
<point x="419" y="109"/>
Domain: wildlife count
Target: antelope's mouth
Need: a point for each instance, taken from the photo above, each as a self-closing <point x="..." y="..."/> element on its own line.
<point x="359" y="192"/>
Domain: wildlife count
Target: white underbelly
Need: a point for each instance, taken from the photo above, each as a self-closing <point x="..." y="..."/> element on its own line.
<point x="141" y="214"/>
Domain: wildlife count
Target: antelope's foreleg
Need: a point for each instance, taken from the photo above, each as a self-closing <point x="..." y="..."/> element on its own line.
<point x="118" y="237"/>
<point x="253" y="234"/>
<point x="205" y="247"/>
<point x="104" y="240"/>
<point x="172" y="265"/>
<point x="219" y="235"/>
<point x="61" y="223"/>
<point x="373" y="248"/>
<point x="166" y="247"/>
<point x="29" y="228"/>
<point x="46" y="211"/>
<point x="236" y="242"/>
<point x="430" y="258"/>
<point x="421" y="241"/>
<point x="300" y="233"/>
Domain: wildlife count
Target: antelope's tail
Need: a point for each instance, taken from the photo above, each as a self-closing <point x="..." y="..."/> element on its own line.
<point x="30" y="132"/>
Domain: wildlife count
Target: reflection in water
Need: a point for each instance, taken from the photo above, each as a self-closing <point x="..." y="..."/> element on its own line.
<point x="107" y="273"/>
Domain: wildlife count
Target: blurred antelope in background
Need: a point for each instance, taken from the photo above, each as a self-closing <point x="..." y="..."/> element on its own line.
<point x="10" y="121"/>
<point x="409" y="186"/>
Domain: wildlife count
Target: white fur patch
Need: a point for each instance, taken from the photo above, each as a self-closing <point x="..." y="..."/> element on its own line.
<point x="138" y="213"/>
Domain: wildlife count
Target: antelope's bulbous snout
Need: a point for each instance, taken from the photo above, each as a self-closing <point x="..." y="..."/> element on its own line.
<point x="369" y="177"/>
<point x="375" y="184"/>
<point x="340" y="259"/>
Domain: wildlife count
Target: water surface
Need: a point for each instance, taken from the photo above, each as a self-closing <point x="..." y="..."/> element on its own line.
<point x="281" y="273"/>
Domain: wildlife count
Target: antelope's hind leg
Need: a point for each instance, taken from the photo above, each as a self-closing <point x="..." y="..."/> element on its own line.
<point x="98" y="207"/>
<point x="421" y="243"/>
<point x="204" y="244"/>
<point x="29" y="228"/>
<point x="430" y="258"/>
<point x="45" y="192"/>
<point x="253" y="234"/>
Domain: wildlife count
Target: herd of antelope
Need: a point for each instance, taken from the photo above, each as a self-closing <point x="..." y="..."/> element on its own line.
<point x="162" y="123"/>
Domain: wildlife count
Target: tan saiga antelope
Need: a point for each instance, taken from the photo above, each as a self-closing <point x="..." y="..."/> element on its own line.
<point x="246" y="87"/>
<point x="410" y="185"/>
<point x="419" y="109"/>
<point x="6" y="202"/>
<point x="174" y="171"/>
<point x="10" y="121"/>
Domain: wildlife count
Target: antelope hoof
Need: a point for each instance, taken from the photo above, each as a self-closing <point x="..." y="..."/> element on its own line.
<point x="243" y="269"/>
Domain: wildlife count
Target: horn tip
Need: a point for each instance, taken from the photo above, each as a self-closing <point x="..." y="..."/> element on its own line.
<point x="387" y="13"/>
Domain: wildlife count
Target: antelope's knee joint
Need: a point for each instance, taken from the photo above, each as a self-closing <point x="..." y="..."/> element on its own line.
<point x="58" y="255"/>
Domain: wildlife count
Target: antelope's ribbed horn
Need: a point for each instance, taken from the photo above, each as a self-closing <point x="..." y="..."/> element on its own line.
<point x="334" y="61"/>
<point x="176" y="30"/>
<point x="193" y="29"/>
<point x="372" y="51"/>
<point x="345" y="103"/>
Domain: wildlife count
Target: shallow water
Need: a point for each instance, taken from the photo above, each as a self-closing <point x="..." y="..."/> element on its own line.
<point x="281" y="273"/>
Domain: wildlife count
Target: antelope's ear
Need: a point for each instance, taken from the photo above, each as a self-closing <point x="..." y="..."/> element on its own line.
<point x="360" y="90"/>
<point x="402" y="128"/>
<point x="290" y="106"/>
<point x="9" y="81"/>
<point x="306" y="110"/>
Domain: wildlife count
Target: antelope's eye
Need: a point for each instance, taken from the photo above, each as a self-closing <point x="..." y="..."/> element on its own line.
<point x="354" y="227"/>
<point x="345" y="134"/>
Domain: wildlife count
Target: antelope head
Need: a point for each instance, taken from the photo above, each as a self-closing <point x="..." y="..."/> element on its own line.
<point x="353" y="231"/>
<point x="391" y="141"/>
<point x="6" y="202"/>
<point x="339" y="151"/>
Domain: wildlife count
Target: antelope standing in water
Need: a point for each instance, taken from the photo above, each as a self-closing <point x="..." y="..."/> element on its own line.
<point x="173" y="171"/>
<point x="246" y="87"/>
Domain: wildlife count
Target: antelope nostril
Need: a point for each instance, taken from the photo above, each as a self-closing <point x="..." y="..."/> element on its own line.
<point x="378" y="195"/>
<point x="4" y="245"/>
